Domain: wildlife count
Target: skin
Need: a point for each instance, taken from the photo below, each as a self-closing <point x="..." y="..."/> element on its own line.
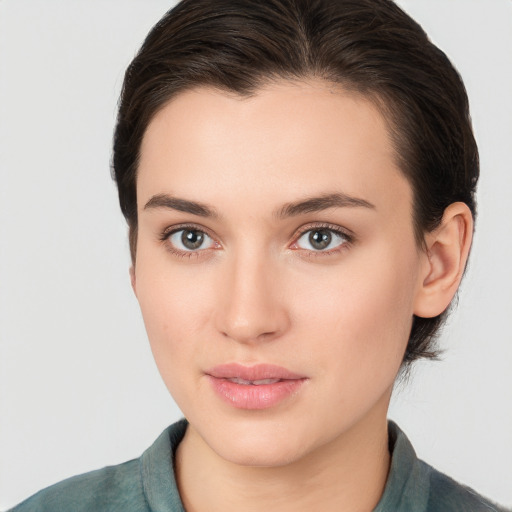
<point x="257" y="292"/>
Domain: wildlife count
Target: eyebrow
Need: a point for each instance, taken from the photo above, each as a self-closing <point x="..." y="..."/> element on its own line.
<point x="322" y="202"/>
<point x="181" y="205"/>
<point x="307" y="205"/>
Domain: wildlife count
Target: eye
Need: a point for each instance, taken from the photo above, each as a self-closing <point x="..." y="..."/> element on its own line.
<point x="189" y="240"/>
<point x="321" y="239"/>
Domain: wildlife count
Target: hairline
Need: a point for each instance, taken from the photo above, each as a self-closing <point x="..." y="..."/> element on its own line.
<point x="381" y="100"/>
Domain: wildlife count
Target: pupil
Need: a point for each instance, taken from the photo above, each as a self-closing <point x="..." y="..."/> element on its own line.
<point x="192" y="239"/>
<point x="320" y="239"/>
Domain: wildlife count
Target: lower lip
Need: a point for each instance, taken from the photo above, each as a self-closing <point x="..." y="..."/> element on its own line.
<point x="252" y="396"/>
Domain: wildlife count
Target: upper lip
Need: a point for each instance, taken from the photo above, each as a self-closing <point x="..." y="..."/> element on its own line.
<point x="252" y="373"/>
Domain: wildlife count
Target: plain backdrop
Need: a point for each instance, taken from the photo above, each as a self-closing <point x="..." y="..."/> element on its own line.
<point x="78" y="386"/>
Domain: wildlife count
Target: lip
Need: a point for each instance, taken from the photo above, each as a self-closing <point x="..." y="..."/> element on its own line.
<point x="254" y="396"/>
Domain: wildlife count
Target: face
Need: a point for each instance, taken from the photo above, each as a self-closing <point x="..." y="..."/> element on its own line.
<point x="277" y="269"/>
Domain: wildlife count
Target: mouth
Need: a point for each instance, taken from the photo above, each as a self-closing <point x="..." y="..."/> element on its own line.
<point x="254" y="387"/>
<point x="260" y="382"/>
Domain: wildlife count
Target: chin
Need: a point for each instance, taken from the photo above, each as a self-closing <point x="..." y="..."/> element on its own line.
<point x="260" y="444"/>
<point x="271" y="455"/>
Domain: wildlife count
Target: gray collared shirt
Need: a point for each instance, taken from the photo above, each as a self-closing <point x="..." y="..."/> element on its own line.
<point x="148" y="484"/>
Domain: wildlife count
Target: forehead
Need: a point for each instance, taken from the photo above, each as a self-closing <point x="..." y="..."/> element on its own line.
<point x="285" y="139"/>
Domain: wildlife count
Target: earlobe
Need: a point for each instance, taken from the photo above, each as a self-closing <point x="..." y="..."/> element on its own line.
<point x="447" y="250"/>
<point x="133" y="279"/>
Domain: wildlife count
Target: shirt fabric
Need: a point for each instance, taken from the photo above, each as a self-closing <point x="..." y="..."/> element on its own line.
<point x="148" y="484"/>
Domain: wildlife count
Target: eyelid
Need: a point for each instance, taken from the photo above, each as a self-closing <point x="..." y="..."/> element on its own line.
<point x="179" y="227"/>
<point x="170" y="230"/>
<point x="335" y="228"/>
<point x="324" y="225"/>
<point x="344" y="232"/>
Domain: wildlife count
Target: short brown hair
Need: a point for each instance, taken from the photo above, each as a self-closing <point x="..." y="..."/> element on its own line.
<point x="369" y="46"/>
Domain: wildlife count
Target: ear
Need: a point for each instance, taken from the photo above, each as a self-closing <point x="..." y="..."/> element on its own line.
<point x="447" y="250"/>
<point x="133" y="279"/>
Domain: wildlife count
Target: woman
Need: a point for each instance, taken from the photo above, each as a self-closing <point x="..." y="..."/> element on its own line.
<point x="298" y="179"/>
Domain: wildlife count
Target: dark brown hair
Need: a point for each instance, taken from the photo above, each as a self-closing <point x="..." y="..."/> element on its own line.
<point x="368" y="46"/>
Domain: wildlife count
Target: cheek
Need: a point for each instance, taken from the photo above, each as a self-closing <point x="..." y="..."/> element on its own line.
<point x="175" y="306"/>
<point x="360" y="339"/>
<point x="360" y="316"/>
<point x="169" y="293"/>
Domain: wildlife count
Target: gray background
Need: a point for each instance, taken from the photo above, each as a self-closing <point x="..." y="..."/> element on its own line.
<point x="78" y="387"/>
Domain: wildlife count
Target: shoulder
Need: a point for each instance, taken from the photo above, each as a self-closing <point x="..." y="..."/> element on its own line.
<point x="139" y="485"/>
<point x="111" y="488"/>
<point x="414" y="485"/>
<point x="447" y="494"/>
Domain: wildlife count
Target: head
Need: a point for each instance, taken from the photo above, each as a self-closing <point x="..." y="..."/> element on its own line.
<point x="298" y="180"/>
<point x="368" y="47"/>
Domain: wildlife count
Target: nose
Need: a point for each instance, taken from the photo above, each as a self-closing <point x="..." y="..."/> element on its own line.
<point x="251" y="306"/>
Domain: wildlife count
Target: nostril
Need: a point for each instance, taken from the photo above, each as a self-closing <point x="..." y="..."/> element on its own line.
<point x="251" y="332"/>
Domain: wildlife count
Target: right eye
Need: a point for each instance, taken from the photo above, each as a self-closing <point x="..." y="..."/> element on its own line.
<point x="189" y="240"/>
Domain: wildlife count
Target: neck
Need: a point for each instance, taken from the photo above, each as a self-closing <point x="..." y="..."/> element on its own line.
<point x="348" y="473"/>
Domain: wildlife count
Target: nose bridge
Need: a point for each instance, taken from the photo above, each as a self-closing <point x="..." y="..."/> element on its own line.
<point x="251" y="308"/>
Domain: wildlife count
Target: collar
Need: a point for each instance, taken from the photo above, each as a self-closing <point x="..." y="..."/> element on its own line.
<point x="406" y="488"/>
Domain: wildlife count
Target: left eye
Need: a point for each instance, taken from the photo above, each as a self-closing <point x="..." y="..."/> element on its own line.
<point x="190" y="240"/>
<point x="320" y="239"/>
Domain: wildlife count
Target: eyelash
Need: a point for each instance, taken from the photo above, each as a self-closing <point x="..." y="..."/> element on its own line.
<point x="336" y="230"/>
<point x="167" y="233"/>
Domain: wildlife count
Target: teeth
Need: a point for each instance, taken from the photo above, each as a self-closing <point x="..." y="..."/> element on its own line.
<point x="244" y="382"/>
<point x="236" y="380"/>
